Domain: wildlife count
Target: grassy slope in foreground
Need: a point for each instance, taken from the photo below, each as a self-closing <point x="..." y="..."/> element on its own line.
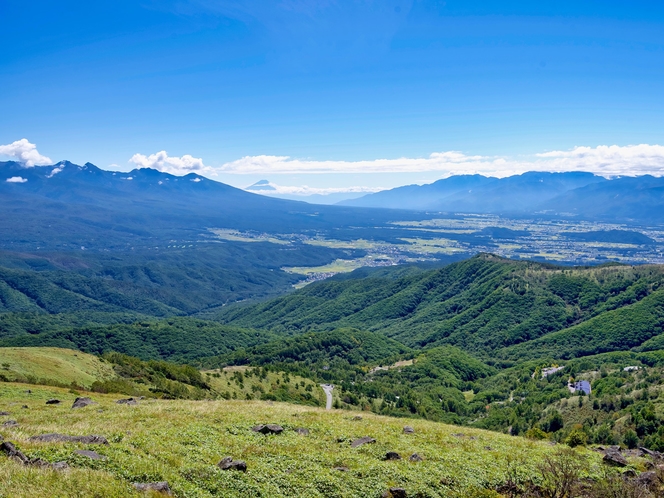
<point x="182" y="441"/>
<point x="46" y="365"/>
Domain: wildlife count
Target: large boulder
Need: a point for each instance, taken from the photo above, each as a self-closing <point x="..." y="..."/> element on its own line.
<point x="612" y="456"/>
<point x="268" y="429"/>
<point x="363" y="440"/>
<point x="408" y="430"/>
<point x="82" y="402"/>
<point x="392" y="455"/>
<point x="62" y="438"/>
<point x="227" y="463"/>
<point x="158" y="487"/>
<point x="92" y="455"/>
<point x="10" y="450"/>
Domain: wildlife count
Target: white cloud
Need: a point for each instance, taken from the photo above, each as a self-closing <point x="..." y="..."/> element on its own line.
<point x="25" y="152"/>
<point x="612" y="160"/>
<point x="16" y="179"/>
<point x="161" y="161"/>
<point x="306" y="190"/>
<point x="55" y="171"/>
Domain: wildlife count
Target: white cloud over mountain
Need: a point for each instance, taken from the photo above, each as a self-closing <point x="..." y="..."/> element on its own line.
<point x="175" y="165"/>
<point x="603" y="160"/>
<point x="270" y="188"/>
<point x="25" y="152"/>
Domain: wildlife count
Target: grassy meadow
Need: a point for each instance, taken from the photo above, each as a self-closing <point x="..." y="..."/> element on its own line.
<point x="181" y="441"/>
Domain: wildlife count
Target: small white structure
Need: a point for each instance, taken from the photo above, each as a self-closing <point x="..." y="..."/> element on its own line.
<point x="631" y="369"/>
<point x="550" y="370"/>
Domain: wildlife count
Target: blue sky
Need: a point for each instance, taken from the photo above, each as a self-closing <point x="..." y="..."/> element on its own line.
<point x="334" y="94"/>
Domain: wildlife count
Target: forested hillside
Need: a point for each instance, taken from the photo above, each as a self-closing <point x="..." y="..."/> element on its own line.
<point x="483" y="305"/>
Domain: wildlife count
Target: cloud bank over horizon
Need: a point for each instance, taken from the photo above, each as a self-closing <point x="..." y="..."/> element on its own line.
<point x="609" y="161"/>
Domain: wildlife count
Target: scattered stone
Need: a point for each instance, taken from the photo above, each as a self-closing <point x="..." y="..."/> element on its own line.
<point x="53" y="402"/>
<point x="128" y="401"/>
<point x="24" y="407"/>
<point x="81" y="402"/>
<point x="59" y="466"/>
<point x="408" y="430"/>
<point x="10" y="423"/>
<point x="62" y="438"/>
<point x="268" y="429"/>
<point x="415" y="458"/>
<point x="647" y="479"/>
<point x="472" y="438"/>
<point x="93" y="455"/>
<point x="459" y="434"/>
<point x="227" y="463"/>
<point x="395" y="493"/>
<point x="28" y="391"/>
<point x="10" y="450"/>
<point x="488" y="448"/>
<point x="361" y="441"/>
<point x="4" y="414"/>
<point x="302" y="431"/>
<point x="392" y="455"/>
<point x="613" y="456"/>
<point x="341" y="469"/>
<point x="357" y="417"/>
<point x="650" y="453"/>
<point x="629" y="473"/>
<point x="159" y="487"/>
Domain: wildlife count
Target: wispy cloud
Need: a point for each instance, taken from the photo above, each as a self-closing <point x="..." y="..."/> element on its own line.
<point x="16" y="179"/>
<point x="603" y="160"/>
<point x="24" y="152"/>
<point x="175" y="165"/>
<point x="304" y="190"/>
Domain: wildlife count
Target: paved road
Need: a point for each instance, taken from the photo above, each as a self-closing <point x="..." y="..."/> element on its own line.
<point x="328" y="392"/>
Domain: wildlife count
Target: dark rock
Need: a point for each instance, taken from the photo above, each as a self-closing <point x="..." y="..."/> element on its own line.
<point x="302" y="431"/>
<point x="62" y="438"/>
<point x="472" y="438"/>
<point x="10" y="450"/>
<point x="59" y="466"/>
<point x="460" y="434"/>
<point x="415" y="458"/>
<point x="647" y="479"/>
<point x="488" y="448"/>
<point x="614" y="457"/>
<point x="53" y="402"/>
<point x="357" y="417"/>
<point x="650" y="453"/>
<point x="93" y="455"/>
<point x="629" y="473"/>
<point x="361" y="441"/>
<point x="159" y="487"/>
<point x="268" y="429"/>
<point x="227" y="463"/>
<point x="395" y="493"/>
<point x="127" y="401"/>
<point x="4" y="414"/>
<point x="10" y="423"/>
<point x="408" y="430"/>
<point x="28" y="391"/>
<point x="341" y="469"/>
<point x="392" y="455"/>
<point x="24" y="407"/>
<point x="81" y="402"/>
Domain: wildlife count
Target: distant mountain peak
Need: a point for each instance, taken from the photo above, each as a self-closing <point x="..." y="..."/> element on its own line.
<point x="261" y="185"/>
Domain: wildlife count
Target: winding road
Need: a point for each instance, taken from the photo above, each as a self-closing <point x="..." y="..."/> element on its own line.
<point x="328" y="392"/>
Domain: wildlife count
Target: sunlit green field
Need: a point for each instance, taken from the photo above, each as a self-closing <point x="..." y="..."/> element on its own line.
<point x="53" y="364"/>
<point x="182" y="441"/>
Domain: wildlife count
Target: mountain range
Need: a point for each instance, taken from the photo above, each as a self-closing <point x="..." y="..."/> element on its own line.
<point x="566" y="194"/>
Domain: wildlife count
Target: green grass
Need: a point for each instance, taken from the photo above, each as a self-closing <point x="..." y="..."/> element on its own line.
<point x="182" y="441"/>
<point x="64" y="366"/>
